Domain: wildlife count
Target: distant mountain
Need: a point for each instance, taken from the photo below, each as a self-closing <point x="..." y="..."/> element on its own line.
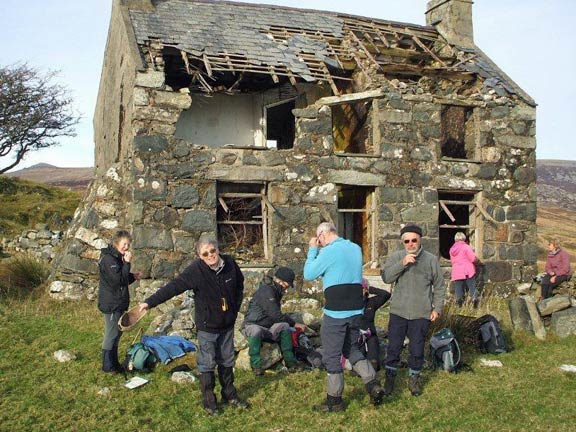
<point x="556" y="183"/>
<point x="68" y="178"/>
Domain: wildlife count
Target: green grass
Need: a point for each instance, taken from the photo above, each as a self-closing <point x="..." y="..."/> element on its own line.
<point x="39" y="394"/>
<point x="25" y="204"/>
<point x="21" y="275"/>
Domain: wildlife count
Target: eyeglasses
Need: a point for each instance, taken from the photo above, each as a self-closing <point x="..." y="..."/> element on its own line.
<point x="210" y="252"/>
<point x="414" y="240"/>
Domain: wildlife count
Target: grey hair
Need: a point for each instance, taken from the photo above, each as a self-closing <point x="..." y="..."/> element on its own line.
<point x="326" y="227"/>
<point x="459" y="236"/>
<point x="206" y="239"/>
<point x="119" y="235"/>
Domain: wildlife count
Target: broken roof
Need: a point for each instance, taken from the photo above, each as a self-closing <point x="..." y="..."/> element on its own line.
<point x="303" y="44"/>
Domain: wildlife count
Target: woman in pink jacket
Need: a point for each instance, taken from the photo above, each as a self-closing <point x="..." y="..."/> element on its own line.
<point x="462" y="257"/>
<point x="557" y="268"/>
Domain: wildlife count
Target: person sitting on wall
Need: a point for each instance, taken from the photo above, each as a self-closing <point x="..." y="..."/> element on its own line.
<point x="265" y="320"/>
<point x="463" y="275"/>
<point x="113" y="294"/>
<point x="557" y="268"/>
<point x="218" y="286"/>
<point x="374" y="299"/>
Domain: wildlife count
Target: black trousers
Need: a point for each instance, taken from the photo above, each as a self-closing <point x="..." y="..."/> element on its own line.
<point x="548" y="287"/>
<point x="398" y="329"/>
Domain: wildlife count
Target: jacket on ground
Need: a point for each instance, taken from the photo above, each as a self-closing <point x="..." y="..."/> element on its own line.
<point x="115" y="276"/>
<point x="217" y="295"/>
<point x="462" y="258"/>
<point x="168" y="348"/>
<point x="419" y="288"/>
<point x="264" y="308"/>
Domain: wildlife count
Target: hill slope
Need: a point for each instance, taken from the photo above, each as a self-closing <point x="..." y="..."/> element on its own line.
<point x="556" y="183"/>
<point x="25" y="204"/>
<point x="70" y="178"/>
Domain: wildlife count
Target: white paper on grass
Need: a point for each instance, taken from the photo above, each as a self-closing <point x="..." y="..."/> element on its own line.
<point x="568" y="368"/>
<point x="135" y="382"/>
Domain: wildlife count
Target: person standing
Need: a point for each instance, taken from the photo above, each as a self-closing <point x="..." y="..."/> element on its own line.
<point x="339" y="264"/>
<point x="417" y="299"/>
<point x="265" y="320"/>
<point x="218" y="286"/>
<point x="557" y="268"/>
<point x="113" y="294"/>
<point x="463" y="274"/>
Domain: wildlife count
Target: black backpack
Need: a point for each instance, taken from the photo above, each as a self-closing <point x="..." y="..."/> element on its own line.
<point x="490" y="338"/>
<point x="444" y="351"/>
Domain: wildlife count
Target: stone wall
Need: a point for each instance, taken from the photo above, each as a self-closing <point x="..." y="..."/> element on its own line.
<point x="40" y="242"/>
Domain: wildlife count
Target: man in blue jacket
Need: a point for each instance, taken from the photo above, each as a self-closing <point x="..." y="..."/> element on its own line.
<point x="339" y="264"/>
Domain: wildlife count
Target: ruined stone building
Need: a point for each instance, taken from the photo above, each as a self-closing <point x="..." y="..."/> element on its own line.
<point x="258" y="122"/>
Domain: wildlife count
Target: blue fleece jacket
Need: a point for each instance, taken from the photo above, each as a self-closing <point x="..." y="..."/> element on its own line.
<point x="340" y="262"/>
<point x="168" y="348"/>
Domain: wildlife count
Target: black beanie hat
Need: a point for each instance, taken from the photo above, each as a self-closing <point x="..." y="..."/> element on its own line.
<point x="286" y="274"/>
<point x="411" y="228"/>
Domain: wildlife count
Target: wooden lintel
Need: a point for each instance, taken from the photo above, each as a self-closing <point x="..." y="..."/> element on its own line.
<point x="351" y="97"/>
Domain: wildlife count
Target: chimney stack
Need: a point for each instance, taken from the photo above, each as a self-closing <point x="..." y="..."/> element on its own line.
<point x="453" y="20"/>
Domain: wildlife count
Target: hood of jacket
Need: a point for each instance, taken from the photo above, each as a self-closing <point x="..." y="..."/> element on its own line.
<point x="457" y="248"/>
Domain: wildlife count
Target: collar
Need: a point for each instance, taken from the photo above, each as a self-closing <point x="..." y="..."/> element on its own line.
<point x="219" y="266"/>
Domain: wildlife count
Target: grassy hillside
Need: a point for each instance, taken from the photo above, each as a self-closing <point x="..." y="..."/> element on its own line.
<point x="556" y="222"/>
<point x="24" y="204"/>
<point x="528" y="393"/>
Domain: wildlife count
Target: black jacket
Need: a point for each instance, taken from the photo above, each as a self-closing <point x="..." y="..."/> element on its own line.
<point x="371" y="305"/>
<point x="264" y="308"/>
<point x="115" y="276"/>
<point x="217" y="296"/>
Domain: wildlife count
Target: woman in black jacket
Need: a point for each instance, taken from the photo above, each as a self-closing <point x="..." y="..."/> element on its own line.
<point x="218" y="286"/>
<point x="113" y="295"/>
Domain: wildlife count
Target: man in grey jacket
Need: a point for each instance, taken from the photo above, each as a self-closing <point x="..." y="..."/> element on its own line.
<point x="417" y="299"/>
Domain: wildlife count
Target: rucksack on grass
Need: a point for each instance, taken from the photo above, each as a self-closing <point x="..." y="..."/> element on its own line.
<point x="139" y="358"/>
<point x="444" y="351"/>
<point x="490" y="338"/>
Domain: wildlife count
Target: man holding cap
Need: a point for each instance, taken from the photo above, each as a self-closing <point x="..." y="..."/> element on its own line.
<point x="265" y="320"/>
<point x="417" y="299"/>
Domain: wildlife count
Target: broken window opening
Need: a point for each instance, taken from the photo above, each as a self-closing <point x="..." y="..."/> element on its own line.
<point x="458" y="132"/>
<point x="357" y="218"/>
<point x="242" y="219"/>
<point x="280" y="125"/>
<point x="460" y="211"/>
<point x="352" y="127"/>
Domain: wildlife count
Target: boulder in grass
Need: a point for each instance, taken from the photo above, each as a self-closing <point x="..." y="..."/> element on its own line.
<point x="64" y="356"/>
<point x="270" y="354"/>
<point x="183" y="377"/>
<point x="563" y="323"/>
<point x="519" y="314"/>
<point x="554" y="304"/>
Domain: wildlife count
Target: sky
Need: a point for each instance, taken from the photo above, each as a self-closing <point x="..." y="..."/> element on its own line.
<point x="533" y="41"/>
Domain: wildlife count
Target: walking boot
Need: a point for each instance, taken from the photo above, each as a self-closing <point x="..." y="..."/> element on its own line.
<point x="375" y="391"/>
<point x="288" y="351"/>
<point x="207" y="384"/>
<point x="415" y="384"/>
<point x="115" y="362"/>
<point x="228" y="392"/>
<point x="107" y="362"/>
<point x="332" y="404"/>
<point x="389" y="382"/>
<point x="254" y="345"/>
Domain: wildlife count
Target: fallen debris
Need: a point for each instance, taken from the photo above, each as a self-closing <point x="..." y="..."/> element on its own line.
<point x="491" y="363"/>
<point x="183" y="377"/>
<point x="568" y="368"/>
<point x="64" y="356"/>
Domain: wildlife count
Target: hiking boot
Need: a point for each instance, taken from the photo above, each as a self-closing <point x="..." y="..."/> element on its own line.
<point x="389" y="383"/>
<point x="376" y="392"/>
<point x="332" y="404"/>
<point x="214" y="412"/>
<point x="415" y="385"/>
<point x="258" y="372"/>
<point x="108" y="363"/>
<point x="237" y="403"/>
<point x="207" y="383"/>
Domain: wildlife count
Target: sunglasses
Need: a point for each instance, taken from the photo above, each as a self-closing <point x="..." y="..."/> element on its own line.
<point x="210" y="252"/>
<point x="410" y="241"/>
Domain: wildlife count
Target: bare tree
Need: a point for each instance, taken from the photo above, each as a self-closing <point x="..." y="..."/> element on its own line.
<point x="33" y="112"/>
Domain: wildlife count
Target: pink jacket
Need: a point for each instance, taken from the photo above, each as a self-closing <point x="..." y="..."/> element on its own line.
<point x="462" y="258"/>
<point x="558" y="264"/>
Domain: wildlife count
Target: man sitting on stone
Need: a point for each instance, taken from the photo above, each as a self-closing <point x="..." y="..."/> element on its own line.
<point x="265" y="320"/>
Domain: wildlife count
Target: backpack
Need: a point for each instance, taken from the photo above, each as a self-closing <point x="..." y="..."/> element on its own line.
<point x="304" y="350"/>
<point x="490" y="338"/>
<point x="445" y="351"/>
<point x="139" y="358"/>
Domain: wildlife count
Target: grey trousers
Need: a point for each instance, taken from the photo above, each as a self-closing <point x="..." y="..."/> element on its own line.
<point x="340" y="336"/>
<point x="215" y="349"/>
<point x="271" y="334"/>
<point x="111" y="331"/>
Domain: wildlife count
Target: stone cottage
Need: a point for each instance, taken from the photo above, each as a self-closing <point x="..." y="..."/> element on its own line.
<point x="258" y="122"/>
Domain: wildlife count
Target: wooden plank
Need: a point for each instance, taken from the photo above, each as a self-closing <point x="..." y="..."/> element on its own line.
<point x="480" y="207"/>
<point x="186" y="61"/>
<point x="239" y="195"/>
<point x="240" y="222"/>
<point x="456" y="226"/>
<point x="428" y="50"/>
<point x="351" y="97"/>
<point x="273" y="74"/>
<point x="447" y="211"/>
<point x="291" y="78"/>
<point x="207" y="65"/>
<point x="363" y="48"/>
<point x="223" y="204"/>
